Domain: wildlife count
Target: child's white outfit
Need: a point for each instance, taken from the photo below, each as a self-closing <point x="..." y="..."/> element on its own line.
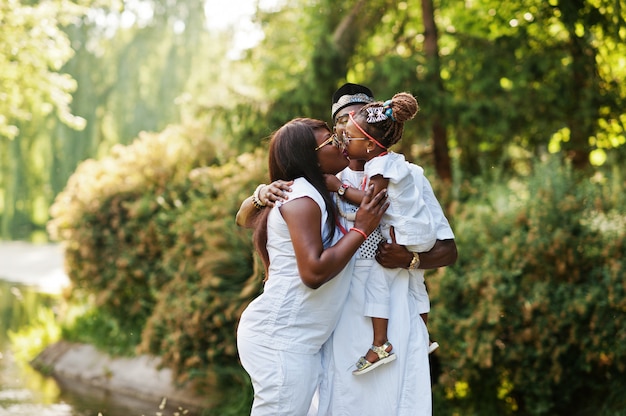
<point x="411" y="220"/>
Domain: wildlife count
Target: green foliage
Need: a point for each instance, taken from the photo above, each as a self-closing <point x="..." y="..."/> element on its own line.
<point x="542" y="76"/>
<point x="532" y="311"/>
<point x="40" y="332"/>
<point x="150" y="236"/>
<point x="94" y="326"/>
<point x="104" y="216"/>
<point x="210" y="272"/>
<point x="32" y="50"/>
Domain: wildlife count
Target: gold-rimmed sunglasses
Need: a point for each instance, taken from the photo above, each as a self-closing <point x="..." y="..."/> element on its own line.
<point x="334" y="139"/>
<point x="347" y="139"/>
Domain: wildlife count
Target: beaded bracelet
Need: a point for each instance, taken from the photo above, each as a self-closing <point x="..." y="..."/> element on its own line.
<point x="360" y="232"/>
<point x="256" y="201"/>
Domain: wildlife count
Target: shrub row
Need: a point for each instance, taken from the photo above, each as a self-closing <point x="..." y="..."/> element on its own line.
<point x="531" y="315"/>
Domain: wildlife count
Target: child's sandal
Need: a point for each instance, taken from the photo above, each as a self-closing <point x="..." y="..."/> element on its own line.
<point x="363" y="366"/>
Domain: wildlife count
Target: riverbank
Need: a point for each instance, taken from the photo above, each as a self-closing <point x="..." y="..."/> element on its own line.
<point x="82" y="366"/>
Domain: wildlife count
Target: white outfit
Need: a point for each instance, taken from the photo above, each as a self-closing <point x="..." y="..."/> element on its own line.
<point x="407" y="213"/>
<point x="413" y="225"/>
<point x="398" y="388"/>
<point x="281" y="332"/>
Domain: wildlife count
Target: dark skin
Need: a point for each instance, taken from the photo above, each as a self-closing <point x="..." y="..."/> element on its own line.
<point x="389" y="255"/>
<point x="316" y="264"/>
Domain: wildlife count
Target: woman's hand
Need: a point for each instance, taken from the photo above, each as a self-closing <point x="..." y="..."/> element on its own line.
<point x="274" y="192"/>
<point x="371" y="210"/>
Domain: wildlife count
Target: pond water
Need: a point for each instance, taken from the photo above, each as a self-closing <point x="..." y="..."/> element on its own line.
<point x="26" y="392"/>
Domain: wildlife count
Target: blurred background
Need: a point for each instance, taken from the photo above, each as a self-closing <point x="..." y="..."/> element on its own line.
<point x="130" y="131"/>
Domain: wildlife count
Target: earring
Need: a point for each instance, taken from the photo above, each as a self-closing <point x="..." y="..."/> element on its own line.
<point x="369" y="150"/>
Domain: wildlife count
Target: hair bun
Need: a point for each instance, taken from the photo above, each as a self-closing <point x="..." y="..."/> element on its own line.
<point x="404" y="106"/>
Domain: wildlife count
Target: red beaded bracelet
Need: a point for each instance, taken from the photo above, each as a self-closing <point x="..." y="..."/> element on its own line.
<point x="360" y="232"/>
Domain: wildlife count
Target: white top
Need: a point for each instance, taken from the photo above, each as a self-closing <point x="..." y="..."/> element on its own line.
<point x="408" y="214"/>
<point x="289" y="315"/>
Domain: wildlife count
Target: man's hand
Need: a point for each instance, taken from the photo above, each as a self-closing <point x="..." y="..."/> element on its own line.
<point x="274" y="192"/>
<point x="392" y="255"/>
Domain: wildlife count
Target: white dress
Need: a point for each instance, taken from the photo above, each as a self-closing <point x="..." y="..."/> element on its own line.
<point x="281" y="332"/>
<point x="398" y="388"/>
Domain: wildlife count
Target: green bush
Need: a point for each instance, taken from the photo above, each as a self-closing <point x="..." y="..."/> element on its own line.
<point x="210" y="261"/>
<point x="107" y="218"/>
<point x="151" y="241"/>
<point x="531" y="315"/>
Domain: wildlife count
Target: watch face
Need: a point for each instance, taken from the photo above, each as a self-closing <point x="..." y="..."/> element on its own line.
<point x="341" y="191"/>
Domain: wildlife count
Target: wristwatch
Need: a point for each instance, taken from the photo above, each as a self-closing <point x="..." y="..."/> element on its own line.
<point x="415" y="262"/>
<point x="342" y="189"/>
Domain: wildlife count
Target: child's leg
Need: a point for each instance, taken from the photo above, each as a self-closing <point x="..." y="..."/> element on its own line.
<point x="380" y="351"/>
<point x="377" y="301"/>
<point x="380" y="337"/>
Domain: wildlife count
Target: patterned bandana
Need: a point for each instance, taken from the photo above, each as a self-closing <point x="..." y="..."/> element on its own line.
<point x="350" y="94"/>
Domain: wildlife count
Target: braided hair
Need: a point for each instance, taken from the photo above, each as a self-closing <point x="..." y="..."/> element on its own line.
<point x="385" y="120"/>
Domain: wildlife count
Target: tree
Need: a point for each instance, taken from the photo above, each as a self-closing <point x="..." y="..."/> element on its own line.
<point x="431" y="50"/>
<point x="33" y="48"/>
<point x="536" y="76"/>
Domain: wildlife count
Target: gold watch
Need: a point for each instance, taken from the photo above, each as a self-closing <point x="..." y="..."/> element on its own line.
<point x="415" y="262"/>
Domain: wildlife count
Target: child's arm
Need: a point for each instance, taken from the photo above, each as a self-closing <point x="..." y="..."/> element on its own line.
<point x="352" y="195"/>
<point x="355" y="196"/>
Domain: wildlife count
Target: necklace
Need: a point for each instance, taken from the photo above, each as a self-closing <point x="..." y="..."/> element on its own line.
<point x="350" y="216"/>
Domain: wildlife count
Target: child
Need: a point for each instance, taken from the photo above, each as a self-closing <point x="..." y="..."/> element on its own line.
<point x="368" y="135"/>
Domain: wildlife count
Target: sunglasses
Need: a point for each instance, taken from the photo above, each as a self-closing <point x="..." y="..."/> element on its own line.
<point x="334" y="139"/>
<point x="347" y="139"/>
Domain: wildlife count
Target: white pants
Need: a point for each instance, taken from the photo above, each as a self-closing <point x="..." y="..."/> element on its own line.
<point x="378" y="295"/>
<point x="283" y="382"/>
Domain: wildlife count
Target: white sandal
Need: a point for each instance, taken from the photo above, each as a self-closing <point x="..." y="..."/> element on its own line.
<point x="363" y="366"/>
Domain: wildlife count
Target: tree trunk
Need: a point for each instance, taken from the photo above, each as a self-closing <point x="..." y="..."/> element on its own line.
<point x="443" y="166"/>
